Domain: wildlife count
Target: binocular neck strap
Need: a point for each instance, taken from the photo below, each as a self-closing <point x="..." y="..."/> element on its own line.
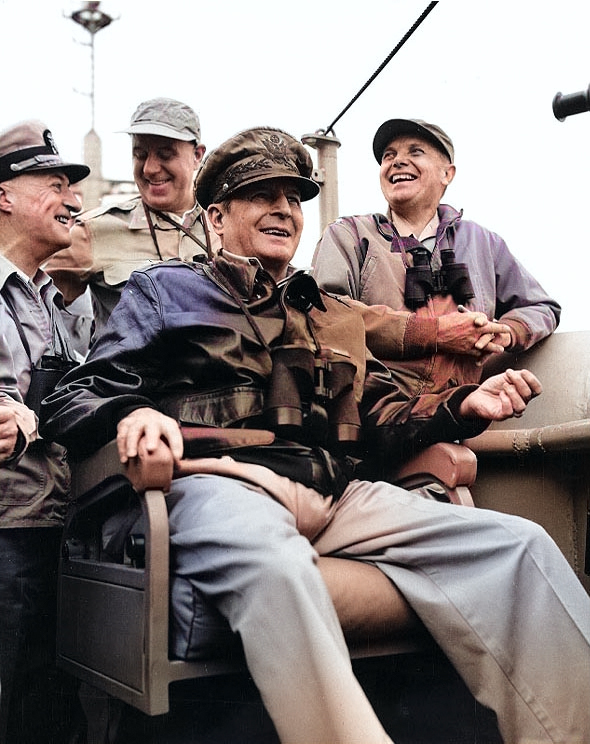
<point x="56" y="334"/>
<point x="297" y="322"/>
<point x="181" y="228"/>
<point x="19" y="327"/>
<point x="240" y="302"/>
<point x="404" y="245"/>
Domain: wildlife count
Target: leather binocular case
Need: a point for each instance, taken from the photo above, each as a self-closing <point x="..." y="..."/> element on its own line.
<point x="45" y="376"/>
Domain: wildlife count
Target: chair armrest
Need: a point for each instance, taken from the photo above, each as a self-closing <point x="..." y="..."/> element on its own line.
<point x="91" y="472"/>
<point x="151" y="469"/>
<point x="147" y="470"/>
<point x="450" y="464"/>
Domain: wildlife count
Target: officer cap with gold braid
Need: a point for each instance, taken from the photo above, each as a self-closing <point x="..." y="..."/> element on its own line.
<point x="254" y="155"/>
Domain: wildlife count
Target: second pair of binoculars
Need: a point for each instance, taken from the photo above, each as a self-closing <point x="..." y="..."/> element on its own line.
<point x="44" y="378"/>
<point x="423" y="282"/>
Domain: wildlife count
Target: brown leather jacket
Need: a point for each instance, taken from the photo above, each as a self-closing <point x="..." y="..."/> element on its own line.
<point x="222" y="345"/>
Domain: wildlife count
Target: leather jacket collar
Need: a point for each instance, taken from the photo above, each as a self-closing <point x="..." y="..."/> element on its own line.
<point x="253" y="283"/>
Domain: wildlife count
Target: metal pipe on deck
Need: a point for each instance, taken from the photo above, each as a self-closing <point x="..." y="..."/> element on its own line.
<point x="571" y="435"/>
<point x="326" y="174"/>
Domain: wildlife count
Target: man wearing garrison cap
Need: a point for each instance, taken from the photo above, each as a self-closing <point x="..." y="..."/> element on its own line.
<point x="164" y="221"/>
<point x="36" y="204"/>
<point x="444" y="320"/>
<point x="264" y="386"/>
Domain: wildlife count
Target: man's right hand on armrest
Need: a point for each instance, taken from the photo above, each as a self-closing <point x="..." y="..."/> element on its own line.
<point x="151" y="426"/>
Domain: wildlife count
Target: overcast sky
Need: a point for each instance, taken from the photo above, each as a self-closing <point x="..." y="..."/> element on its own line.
<point x="485" y="71"/>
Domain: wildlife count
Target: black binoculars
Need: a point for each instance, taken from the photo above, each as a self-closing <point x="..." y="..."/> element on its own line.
<point x="310" y="397"/>
<point x="422" y="282"/>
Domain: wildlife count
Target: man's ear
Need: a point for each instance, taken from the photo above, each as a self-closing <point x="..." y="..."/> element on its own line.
<point x="199" y="153"/>
<point x="215" y="216"/>
<point x="5" y="200"/>
<point x="449" y="174"/>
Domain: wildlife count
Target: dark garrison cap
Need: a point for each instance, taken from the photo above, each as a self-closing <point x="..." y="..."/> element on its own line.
<point x="389" y="130"/>
<point x="28" y="147"/>
<point x="254" y="155"/>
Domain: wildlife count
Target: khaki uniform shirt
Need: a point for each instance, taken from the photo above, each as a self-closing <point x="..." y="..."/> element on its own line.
<point x="110" y="242"/>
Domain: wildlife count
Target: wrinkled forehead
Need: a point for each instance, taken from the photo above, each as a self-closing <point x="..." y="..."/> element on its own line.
<point x="276" y="185"/>
<point x="39" y="179"/>
<point x="270" y="188"/>
<point x="407" y="141"/>
<point x="158" y="142"/>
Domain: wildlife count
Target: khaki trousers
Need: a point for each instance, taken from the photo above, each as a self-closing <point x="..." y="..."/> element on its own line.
<point x="494" y="590"/>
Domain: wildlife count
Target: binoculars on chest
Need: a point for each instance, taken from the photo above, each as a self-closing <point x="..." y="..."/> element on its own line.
<point x="423" y="282"/>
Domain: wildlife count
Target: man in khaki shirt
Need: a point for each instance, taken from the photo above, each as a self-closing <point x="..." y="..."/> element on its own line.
<point x="164" y="221"/>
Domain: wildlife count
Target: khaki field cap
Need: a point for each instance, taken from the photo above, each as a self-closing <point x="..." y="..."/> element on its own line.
<point x="167" y="118"/>
<point x="393" y="128"/>
<point x="254" y="155"/>
<point x="28" y="147"/>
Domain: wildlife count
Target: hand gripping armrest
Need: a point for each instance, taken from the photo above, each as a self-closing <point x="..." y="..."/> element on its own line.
<point x="145" y="471"/>
<point x="151" y="469"/>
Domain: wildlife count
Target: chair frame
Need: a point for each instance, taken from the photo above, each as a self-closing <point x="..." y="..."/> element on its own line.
<point x="113" y="619"/>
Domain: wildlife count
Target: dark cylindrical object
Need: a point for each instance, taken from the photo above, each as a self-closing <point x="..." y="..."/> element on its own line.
<point x="572" y="103"/>
<point x="419" y="279"/>
<point x="455" y="277"/>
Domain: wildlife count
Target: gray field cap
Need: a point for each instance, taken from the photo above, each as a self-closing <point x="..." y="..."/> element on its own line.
<point x="166" y="117"/>
<point x="390" y="130"/>
<point x="28" y="147"/>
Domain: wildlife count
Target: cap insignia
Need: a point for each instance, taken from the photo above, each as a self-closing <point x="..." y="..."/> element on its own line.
<point x="50" y="142"/>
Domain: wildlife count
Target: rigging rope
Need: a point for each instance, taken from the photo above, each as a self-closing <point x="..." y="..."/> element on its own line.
<point x="380" y="68"/>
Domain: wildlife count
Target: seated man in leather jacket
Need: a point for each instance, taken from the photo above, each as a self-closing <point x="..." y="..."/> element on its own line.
<point x="283" y="399"/>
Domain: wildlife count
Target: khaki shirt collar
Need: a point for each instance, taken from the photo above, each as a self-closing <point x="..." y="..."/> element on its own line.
<point x="430" y="229"/>
<point x="428" y="234"/>
<point x="139" y="221"/>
